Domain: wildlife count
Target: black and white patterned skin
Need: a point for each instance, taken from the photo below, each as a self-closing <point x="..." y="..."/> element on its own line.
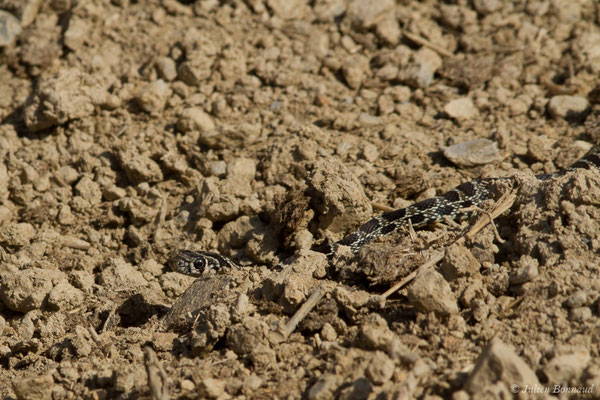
<point x="448" y="205"/>
<point x="195" y="263"/>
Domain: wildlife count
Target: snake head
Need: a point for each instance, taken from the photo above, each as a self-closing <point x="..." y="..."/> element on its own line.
<point x="198" y="263"/>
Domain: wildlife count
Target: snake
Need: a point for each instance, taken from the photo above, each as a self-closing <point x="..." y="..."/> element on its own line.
<point x="452" y="204"/>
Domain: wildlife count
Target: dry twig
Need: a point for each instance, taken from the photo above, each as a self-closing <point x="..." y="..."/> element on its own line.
<point x="157" y="378"/>
<point x="437" y="257"/>
<point x="424" y="42"/>
<point x="308" y="305"/>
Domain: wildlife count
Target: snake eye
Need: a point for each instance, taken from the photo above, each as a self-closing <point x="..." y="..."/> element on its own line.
<point x="199" y="264"/>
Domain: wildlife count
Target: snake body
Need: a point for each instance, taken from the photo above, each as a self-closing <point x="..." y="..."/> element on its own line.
<point x="451" y="204"/>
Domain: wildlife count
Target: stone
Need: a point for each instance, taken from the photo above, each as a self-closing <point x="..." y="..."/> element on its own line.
<point x="66" y="174"/>
<point x="64" y="296"/>
<point x="421" y="70"/>
<point x="459" y="261"/>
<point x="76" y="34"/>
<point x="324" y="388"/>
<point x="498" y="364"/>
<point x="209" y="388"/>
<point x="153" y="96"/>
<point x="121" y="275"/>
<point x="580" y="314"/>
<point x="367" y="13"/>
<point x="487" y="6"/>
<point x="578" y="299"/>
<point x="17" y="288"/>
<point x="194" y="119"/>
<point x="472" y="153"/>
<point x="195" y="71"/>
<point x="568" y="107"/>
<point x="376" y="335"/>
<point x="565" y="368"/>
<point x="89" y="190"/>
<point x="359" y="390"/>
<point x="461" y="109"/>
<point x="355" y="70"/>
<point x="17" y="234"/>
<point x="139" y="167"/>
<point x="430" y="292"/>
<point x="10" y="28"/>
<point x="34" y="388"/>
<point x="526" y="271"/>
<point x="70" y="94"/>
<point x="380" y="369"/>
<point x="166" y="68"/>
<point x="327" y="332"/>
<point x="388" y="30"/>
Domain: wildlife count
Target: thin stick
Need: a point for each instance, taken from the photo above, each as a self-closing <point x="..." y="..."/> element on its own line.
<point x="502" y="205"/>
<point x="437" y="257"/>
<point x="490" y="220"/>
<point x="94" y="335"/>
<point x="411" y="231"/>
<point x="381" y="207"/>
<point x="424" y="42"/>
<point x="157" y="378"/>
<point x="308" y="305"/>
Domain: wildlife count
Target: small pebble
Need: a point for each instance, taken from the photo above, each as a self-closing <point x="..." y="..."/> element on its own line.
<point x="577" y="299"/>
<point x="380" y="369"/>
<point x="211" y="388"/>
<point x="10" y="28"/>
<point x="580" y="314"/>
<point x="328" y="332"/>
<point x="218" y="168"/>
<point x="194" y="119"/>
<point x="498" y="362"/>
<point x="568" y="107"/>
<point x="195" y="71"/>
<point x="113" y="192"/>
<point x="166" y="68"/>
<point x="567" y="367"/>
<point x="370" y="152"/>
<point x="187" y="385"/>
<point x="324" y="387"/>
<point x="66" y="174"/>
<point x="355" y="70"/>
<point x="153" y="96"/>
<point x="36" y="387"/>
<point x="461" y="109"/>
<point x="430" y="292"/>
<point x="75" y="243"/>
<point x="89" y="190"/>
<point x="64" y="296"/>
<point x="65" y="216"/>
<point x="487" y="6"/>
<point x="527" y="271"/>
<point x="17" y="234"/>
<point x="388" y="30"/>
<point x="471" y="153"/>
<point x="4" y="215"/>
<point x="367" y="13"/>
<point x="420" y="72"/>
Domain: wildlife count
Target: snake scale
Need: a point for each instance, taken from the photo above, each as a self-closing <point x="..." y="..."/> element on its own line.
<point x="448" y="205"/>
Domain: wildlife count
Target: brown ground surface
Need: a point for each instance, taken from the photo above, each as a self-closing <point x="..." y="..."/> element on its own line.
<point x="129" y="129"/>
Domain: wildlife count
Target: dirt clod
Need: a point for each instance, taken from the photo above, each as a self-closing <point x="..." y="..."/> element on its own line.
<point x="499" y="366"/>
<point x="430" y="292"/>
